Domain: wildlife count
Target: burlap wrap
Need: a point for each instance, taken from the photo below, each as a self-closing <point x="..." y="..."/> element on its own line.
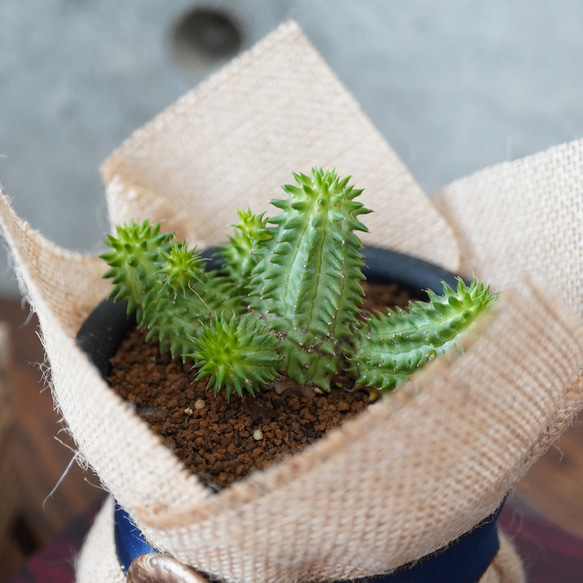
<point x="407" y="476"/>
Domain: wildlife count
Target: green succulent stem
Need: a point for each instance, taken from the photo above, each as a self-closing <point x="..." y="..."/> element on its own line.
<point x="392" y="346"/>
<point x="238" y="256"/>
<point x="134" y="260"/>
<point x="238" y="354"/>
<point x="308" y="280"/>
<point x="163" y="282"/>
<point x="286" y="299"/>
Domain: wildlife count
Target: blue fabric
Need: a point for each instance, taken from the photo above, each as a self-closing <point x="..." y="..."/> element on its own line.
<point x="464" y="561"/>
<point x="129" y="541"/>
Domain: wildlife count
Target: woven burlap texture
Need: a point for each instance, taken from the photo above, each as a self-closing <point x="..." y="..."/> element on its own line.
<point x="99" y="561"/>
<point x="406" y="477"/>
<point x="522" y="216"/>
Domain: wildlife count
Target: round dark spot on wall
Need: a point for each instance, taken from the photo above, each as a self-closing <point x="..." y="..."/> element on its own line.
<point x="204" y="36"/>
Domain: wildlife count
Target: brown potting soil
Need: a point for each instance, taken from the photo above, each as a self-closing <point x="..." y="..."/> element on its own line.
<point x="223" y="441"/>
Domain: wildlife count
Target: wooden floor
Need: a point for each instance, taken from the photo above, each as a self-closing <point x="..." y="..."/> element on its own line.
<point x="41" y="456"/>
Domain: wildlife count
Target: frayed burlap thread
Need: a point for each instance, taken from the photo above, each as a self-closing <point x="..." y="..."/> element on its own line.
<point x="407" y="476"/>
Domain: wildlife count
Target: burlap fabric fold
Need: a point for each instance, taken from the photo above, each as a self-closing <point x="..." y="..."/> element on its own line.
<point x="405" y="477"/>
<point x="522" y="217"/>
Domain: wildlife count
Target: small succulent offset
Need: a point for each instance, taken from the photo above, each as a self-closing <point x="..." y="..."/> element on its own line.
<point x="287" y="298"/>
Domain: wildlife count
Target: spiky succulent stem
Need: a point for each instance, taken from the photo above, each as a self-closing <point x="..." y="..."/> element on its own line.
<point x="392" y="346"/>
<point x="308" y="278"/>
<point x="238" y="354"/>
<point x="158" y="277"/>
<point x="238" y="256"/>
<point x="150" y="271"/>
<point x="134" y="260"/>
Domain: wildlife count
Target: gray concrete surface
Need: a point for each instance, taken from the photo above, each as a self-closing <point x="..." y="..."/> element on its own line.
<point x="453" y="85"/>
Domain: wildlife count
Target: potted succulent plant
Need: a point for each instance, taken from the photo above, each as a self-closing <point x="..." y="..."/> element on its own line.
<point x="281" y="313"/>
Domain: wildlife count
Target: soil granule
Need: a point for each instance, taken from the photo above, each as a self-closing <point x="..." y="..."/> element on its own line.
<point x="223" y="441"/>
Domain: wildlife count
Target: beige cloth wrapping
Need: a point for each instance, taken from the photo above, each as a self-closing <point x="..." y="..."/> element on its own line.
<point x="408" y="475"/>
